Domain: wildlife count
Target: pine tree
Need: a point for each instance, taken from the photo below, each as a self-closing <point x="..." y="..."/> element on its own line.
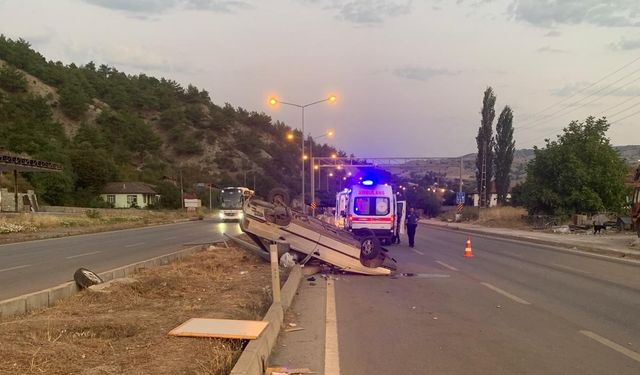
<point x="505" y="146"/>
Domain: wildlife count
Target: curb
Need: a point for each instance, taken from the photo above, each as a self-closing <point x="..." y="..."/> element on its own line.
<point x="48" y="297"/>
<point x="592" y="251"/>
<point x="253" y="360"/>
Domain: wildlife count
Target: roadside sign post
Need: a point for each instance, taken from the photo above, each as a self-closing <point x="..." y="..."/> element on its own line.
<point x="275" y="273"/>
<point x="460" y="205"/>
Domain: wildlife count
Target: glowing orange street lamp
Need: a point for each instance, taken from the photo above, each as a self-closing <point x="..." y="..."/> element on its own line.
<point x="290" y="136"/>
<point x="273" y="101"/>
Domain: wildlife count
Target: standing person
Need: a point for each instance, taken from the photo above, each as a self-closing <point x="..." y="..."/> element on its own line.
<point x="411" y="223"/>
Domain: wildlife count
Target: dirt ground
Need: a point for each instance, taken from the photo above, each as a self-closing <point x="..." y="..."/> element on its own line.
<point x="124" y="331"/>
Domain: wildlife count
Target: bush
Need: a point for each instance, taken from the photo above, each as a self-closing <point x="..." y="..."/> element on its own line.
<point x="93" y="214"/>
<point x="12" y="80"/>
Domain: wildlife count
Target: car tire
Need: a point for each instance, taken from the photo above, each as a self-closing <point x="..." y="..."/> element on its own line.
<point x="369" y="248"/>
<point x="278" y="195"/>
<point x="86" y="278"/>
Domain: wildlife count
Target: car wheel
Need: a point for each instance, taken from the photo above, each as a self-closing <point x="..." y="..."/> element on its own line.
<point x="369" y="248"/>
<point x="85" y="278"/>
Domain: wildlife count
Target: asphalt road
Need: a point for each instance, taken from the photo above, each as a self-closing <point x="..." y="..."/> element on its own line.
<point x="514" y="308"/>
<point x="35" y="265"/>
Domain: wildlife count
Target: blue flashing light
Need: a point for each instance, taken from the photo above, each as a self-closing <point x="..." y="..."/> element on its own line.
<point x="367" y="182"/>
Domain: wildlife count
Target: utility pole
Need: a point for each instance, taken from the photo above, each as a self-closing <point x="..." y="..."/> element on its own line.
<point x="483" y="176"/>
<point x="210" y="207"/>
<point x="181" y="190"/>
<point x="461" y="157"/>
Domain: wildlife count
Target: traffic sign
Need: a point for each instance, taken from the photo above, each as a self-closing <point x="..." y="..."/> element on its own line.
<point x="460" y="197"/>
<point x="313" y="205"/>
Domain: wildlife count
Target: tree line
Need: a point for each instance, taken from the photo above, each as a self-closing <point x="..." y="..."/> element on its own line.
<point x="132" y="128"/>
<point x="578" y="172"/>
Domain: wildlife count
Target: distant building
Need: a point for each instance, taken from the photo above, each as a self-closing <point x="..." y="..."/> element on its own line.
<point x="129" y="194"/>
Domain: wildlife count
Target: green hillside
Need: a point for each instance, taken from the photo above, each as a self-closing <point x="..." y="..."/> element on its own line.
<point x="104" y="125"/>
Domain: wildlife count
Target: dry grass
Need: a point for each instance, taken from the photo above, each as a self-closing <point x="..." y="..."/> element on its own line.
<point x="20" y="227"/>
<point x="507" y="217"/>
<point x="125" y="331"/>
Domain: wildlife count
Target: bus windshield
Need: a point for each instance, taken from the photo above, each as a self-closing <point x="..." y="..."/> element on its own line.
<point x="231" y="199"/>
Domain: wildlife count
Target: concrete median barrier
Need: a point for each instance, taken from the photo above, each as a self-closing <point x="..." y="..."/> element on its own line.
<point x="253" y="360"/>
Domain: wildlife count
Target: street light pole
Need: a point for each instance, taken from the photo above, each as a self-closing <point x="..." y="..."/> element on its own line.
<point x="274" y="101"/>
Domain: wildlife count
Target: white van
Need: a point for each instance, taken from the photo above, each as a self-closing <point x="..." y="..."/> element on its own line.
<point x="370" y="210"/>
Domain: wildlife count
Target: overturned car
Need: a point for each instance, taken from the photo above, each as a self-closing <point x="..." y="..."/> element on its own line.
<point x="266" y="223"/>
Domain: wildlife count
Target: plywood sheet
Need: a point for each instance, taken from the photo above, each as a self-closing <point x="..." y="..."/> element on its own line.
<point x="221" y="328"/>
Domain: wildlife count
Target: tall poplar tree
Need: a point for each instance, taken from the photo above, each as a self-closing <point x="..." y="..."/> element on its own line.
<point x="505" y="146"/>
<point x="485" y="141"/>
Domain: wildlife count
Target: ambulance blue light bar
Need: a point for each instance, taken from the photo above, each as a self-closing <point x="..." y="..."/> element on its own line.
<point x="367" y="182"/>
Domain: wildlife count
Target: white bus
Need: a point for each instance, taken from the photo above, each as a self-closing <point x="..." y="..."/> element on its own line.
<point x="231" y="201"/>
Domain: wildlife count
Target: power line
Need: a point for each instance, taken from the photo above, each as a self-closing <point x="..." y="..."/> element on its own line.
<point x="624" y="110"/>
<point x="624" y="118"/>
<point x="553" y="115"/>
<point x="616" y="106"/>
<point x="583" y="89"/>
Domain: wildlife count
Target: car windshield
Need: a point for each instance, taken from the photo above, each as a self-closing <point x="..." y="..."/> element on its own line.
<point x="231" y="199"/>
<point x="371" y="206"/>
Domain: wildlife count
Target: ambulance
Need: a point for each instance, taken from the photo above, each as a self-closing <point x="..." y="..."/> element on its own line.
<point x="368" y="209"/>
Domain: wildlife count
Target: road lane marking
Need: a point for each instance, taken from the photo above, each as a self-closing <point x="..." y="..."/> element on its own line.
<point x="331" y="353"/>
<point x="443" y="264"/>
<point x="570" y="268"/>
<point x="417" y="251"/>
<point x="82" y="255"/>
<point x="134" y="244"/>
<point x="506" y="294"/>
<point x="15" y="268"/>
<point x="612" y="345"/>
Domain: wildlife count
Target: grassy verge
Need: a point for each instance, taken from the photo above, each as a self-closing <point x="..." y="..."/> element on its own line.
<point x="503" y="217"/>
<point x="19" y="227"/>
<point x="124" y="331"/>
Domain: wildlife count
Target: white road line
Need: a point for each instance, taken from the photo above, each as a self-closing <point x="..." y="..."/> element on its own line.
<point x="570" y="268"/>
<point x="15" y="268"/>
<point x="618" y="348"/>
<point x="417" y="251"/>
<point x="134" y="244"/>
<point x="443" y="264"/>
<point x="506" y="294"/>
<point x="82" y="255"/>
<point x="331" y="354"/>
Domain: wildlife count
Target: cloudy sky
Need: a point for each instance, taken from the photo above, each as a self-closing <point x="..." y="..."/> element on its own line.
<point x="409" y="74"/>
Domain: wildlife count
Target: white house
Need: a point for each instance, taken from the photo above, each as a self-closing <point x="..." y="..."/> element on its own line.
<point x="129" y="194"/>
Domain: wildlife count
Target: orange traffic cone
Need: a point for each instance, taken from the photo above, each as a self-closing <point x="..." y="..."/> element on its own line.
<point x="467" y="249"/>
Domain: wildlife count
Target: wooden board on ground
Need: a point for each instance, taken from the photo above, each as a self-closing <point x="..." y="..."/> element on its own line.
<point x="220" y="328"/>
